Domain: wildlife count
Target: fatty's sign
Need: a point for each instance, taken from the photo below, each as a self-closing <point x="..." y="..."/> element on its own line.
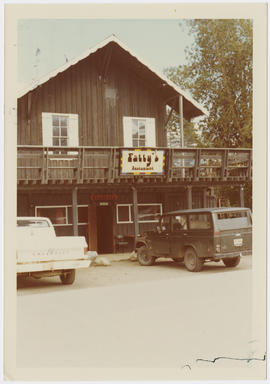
<point x="142" y="162"/>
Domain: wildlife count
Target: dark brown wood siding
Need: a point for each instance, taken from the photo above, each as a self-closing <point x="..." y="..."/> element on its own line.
<point x="100" y="97"/>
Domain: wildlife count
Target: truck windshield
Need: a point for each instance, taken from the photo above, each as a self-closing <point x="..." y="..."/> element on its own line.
<point x="32" y="223"/>
<point x="233" y="220"/>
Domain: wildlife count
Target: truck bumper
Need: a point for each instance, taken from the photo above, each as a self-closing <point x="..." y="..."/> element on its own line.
<point x="232" y="254"/>
<point x="52" y="265"/>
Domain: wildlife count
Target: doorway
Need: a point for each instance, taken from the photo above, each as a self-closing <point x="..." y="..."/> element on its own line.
<point x="105" y="229"/>
<point x="100" y="230"/>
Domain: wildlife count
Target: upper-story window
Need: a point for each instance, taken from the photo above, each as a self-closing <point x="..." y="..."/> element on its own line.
<point x="60" y="130"/>
<point x="139" y="132"/>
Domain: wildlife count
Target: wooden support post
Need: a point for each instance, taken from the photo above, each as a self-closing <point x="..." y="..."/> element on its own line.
<point x="135" y="213"/>
<point x="189" y="197"/>
<point x="205" y="198"/>
<point x="75" y="210"/>
<point x="181" y="121"/>
<point x="242" y="198"/>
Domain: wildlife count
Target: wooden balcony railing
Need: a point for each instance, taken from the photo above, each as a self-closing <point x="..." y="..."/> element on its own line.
<point x="50" y="165"/>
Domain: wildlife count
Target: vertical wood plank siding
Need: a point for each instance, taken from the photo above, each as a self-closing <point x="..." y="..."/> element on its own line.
<point x="82" y="90"/>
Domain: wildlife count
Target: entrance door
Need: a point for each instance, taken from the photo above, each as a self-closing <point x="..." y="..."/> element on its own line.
<point x="105" y="229"/>
<point x="100" y="229"/>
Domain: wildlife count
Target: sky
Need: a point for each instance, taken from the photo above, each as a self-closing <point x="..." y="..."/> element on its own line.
<point x="45" y="44"/>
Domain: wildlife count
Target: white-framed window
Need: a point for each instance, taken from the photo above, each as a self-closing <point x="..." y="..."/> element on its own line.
<point x="139" y="132"/>
<point x="60" y="129"/>
<point x="61" y="215"/>
<point x="147" y="213"/>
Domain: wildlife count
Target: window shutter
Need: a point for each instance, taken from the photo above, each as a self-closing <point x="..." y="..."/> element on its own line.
<point x="47" y="129"/>
<point x="150" y="132"/>
<point x="127" y="131"/>
<point x="73" y="134"/>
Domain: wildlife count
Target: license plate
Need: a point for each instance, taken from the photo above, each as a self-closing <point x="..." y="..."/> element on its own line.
<point x="238" y="242"/>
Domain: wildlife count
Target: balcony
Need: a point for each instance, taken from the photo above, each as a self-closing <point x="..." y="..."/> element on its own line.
<point x="86" y="165"/>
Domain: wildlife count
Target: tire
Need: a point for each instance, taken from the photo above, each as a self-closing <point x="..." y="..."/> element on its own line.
<point x="143" y="257"/>
<point x="233" y="262"/>
<point x="192" y="262"/>
<point x="68" y="277"/>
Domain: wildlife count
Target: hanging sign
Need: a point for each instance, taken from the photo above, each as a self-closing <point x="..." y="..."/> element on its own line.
<point x="142" y="162"/>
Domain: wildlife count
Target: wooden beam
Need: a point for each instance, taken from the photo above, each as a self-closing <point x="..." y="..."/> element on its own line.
<point x="135" y="213"/>
<point x="205" y="198"/>
<point x="169" y="117"/>
<point x="75" y="210"/>
<point x="242" y="197"/>
<point x="181" y="121"/>
<point x="189" y="197"/>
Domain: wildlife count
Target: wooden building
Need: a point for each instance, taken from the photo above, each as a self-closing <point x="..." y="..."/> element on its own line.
<point x="93" y="154"/>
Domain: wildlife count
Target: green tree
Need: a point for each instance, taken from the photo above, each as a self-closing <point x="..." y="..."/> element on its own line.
<point x="219" y="76"/>
<point x="191" y="137"/>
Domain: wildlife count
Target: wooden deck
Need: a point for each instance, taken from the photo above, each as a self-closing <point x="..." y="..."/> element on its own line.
<point x="85" y="165"/>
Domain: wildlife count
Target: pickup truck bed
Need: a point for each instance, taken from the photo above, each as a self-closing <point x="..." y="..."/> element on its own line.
<point x="41" y="253"/>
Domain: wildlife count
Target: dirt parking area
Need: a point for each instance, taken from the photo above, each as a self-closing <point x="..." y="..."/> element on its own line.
<point x="127" y="272"/>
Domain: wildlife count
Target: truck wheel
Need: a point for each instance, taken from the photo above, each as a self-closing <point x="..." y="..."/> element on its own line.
<point x="233" y="262"/>
<point x="68" y="277"/>
<point x="191" y="260"/>
<point x="144" y="258"/>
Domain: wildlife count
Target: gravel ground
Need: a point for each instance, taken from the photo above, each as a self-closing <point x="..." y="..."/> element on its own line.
<point x="126" y="272"/>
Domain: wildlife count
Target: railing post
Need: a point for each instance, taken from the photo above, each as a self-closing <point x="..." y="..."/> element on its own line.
<point x="43" y="166"/>
<point x="197" y="164"/>
<point x="224" y="169"/>
<point x="249" y="175"/>
<point x="169" y="164"/>
<point x="75" y="210"/>
<point x="79" y="167"/>
<point x="111" y="166"/>
<point x="46" y="171"/>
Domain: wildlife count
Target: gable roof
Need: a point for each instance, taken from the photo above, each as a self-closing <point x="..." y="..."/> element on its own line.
<point x="195" y="109"/>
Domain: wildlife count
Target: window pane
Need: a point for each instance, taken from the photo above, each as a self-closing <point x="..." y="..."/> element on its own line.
<point x="55" y="120"/>
<point x="141" y="124"/>
<point x="64" y="132"/>
<point x="56" y="215"/>
<point x="165" y="223"/>
<point x="134" y="127"/>
<point x="199" y="221"/>
<point x="179" y="222"/>
<point x="55" y="131"/>
<point x="70" y="221"/>
<point x="123" y="213"/>
<point x="148" y="212"/>
<point x="83" y="214"/>
<point x="63" y="121"/>
<point x="141" y="143"/>
<point x="135" y="143"/>
<point x="233" y="220"/>
<point x="63" y="142"/>
<point x="55" y="142"/>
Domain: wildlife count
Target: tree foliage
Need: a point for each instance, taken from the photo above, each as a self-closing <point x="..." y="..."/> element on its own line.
<point x="218" y="74"/>
<point x="191" y="137"/>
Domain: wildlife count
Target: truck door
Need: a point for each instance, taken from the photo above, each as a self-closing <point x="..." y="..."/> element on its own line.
<point x="161" y="239"/>
<point x="178" y="236"/>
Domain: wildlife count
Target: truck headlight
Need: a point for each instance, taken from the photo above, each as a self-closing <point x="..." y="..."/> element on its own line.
<point x="218" y="248"/>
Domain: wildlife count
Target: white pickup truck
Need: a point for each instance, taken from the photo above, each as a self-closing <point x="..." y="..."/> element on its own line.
<point x="40" y="253"/>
